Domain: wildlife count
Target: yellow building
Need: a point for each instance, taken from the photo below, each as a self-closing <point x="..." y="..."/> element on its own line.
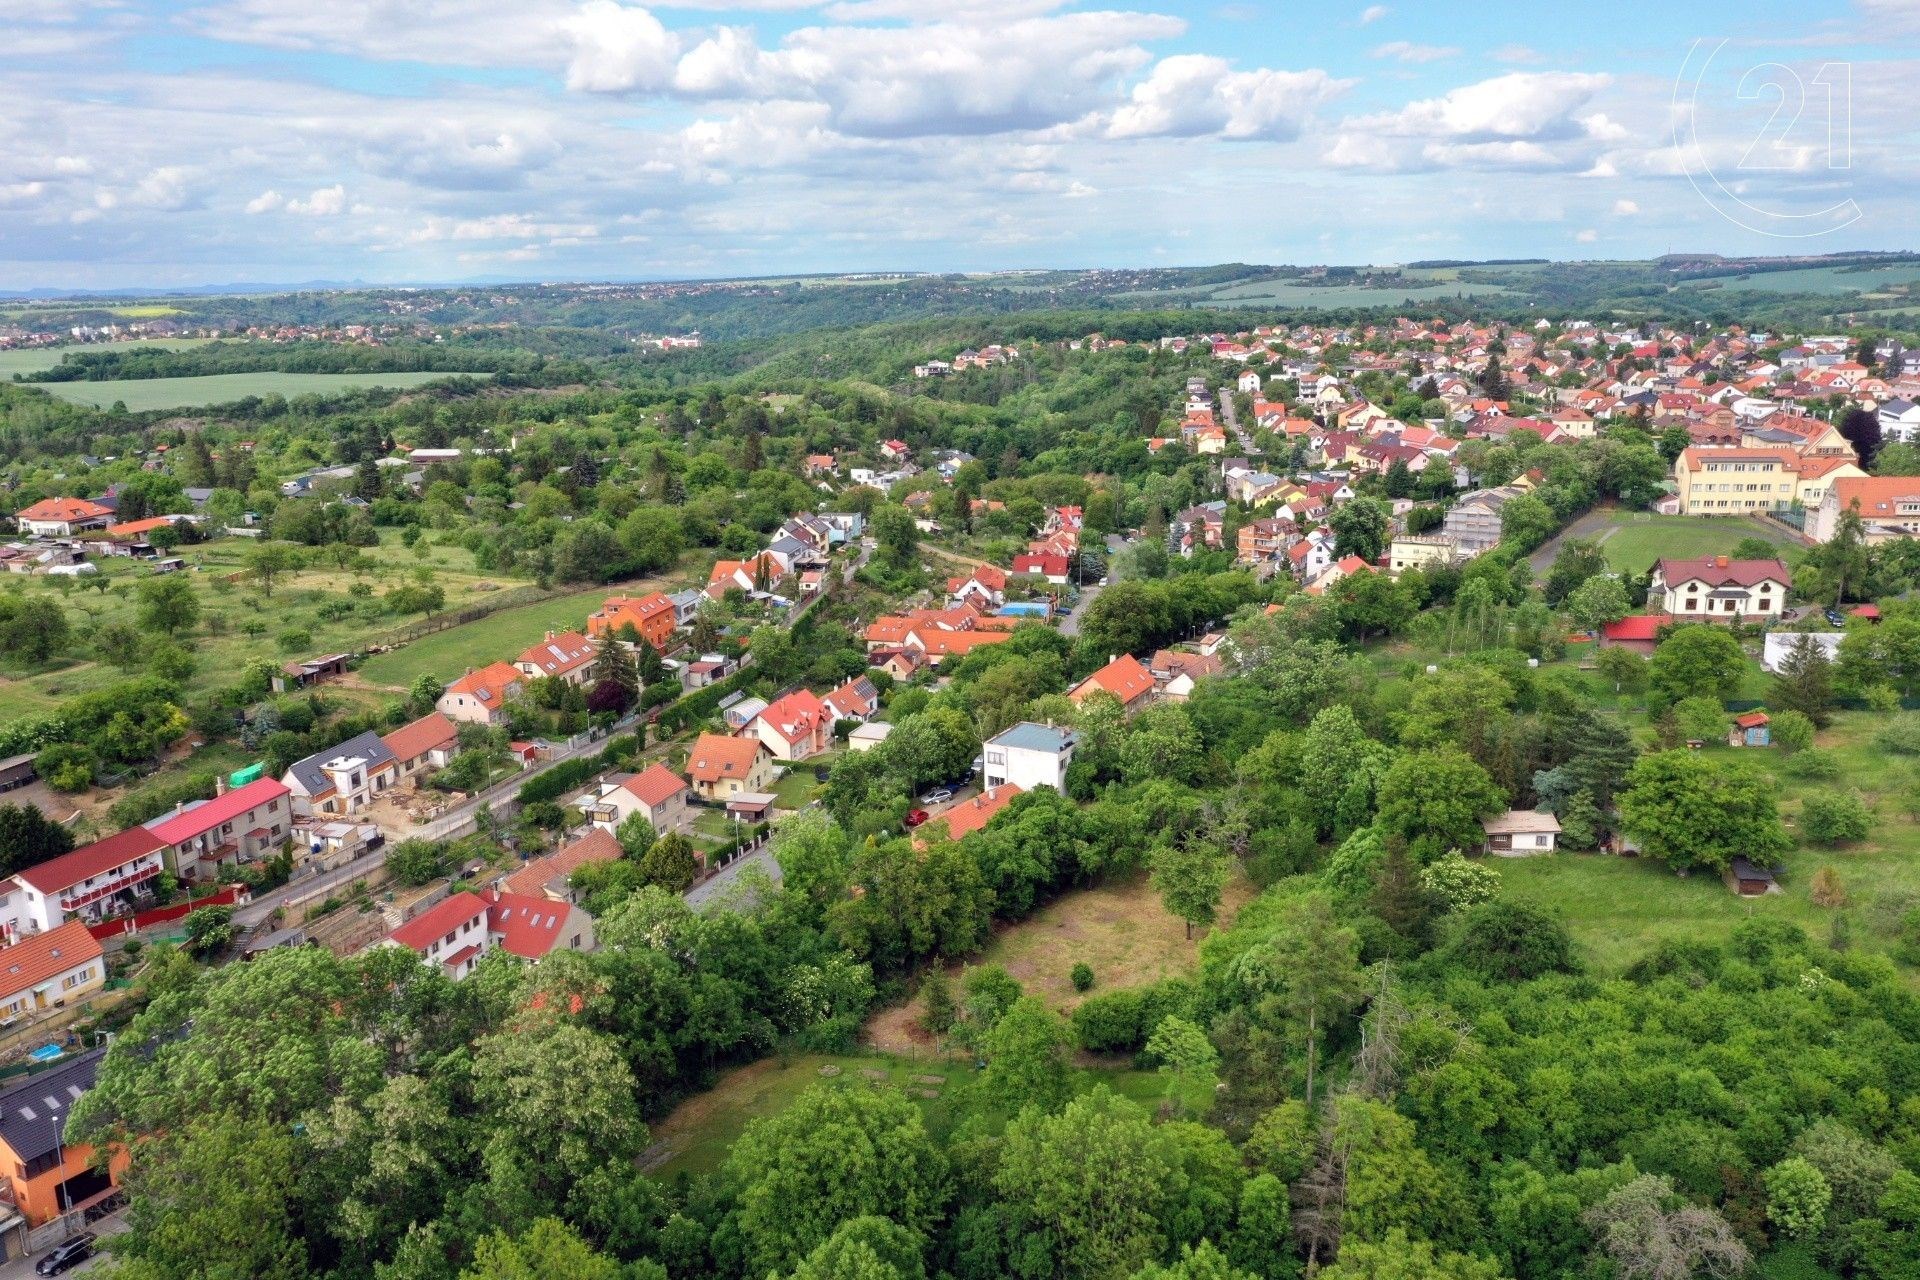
<point x="1417" y="551"/>
<point x="1728" y="482"/>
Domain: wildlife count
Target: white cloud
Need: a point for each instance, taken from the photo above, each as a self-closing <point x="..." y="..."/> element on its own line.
<point x="1587" y="237"/>
<point x="163" y="188"/>
<point x="1512" y="154"/>
<point x="1189" y="95"/>
<point x="1372" y="14"/>
<point x="1404" y="51"/>
<point x="327" y="202"/>
<point x="1520" y="104"/>
<point x="1625" y="208"/>
<point x="618" y="48"/>
<point x="20" y="193"/>
<point x="266" y="202"/>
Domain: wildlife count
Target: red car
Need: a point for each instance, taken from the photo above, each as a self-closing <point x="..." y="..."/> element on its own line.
<point x="915" y="818"/>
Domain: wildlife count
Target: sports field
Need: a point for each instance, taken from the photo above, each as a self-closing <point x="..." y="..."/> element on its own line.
<point x="1637" y="540"/>
<point x="141" y="394"/>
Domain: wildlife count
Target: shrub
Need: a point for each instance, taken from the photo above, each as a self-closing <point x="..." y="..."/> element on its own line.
<point x="1512" y="941"/>
<point x="1458" y="882"/>
<point x="1834" y="819"/>
<point x="1792" y="731"/>
<point x="66" y="766"/>
<point x="1082" y="976"/>
<point x="294" y="641"/>
<point x="1815" y="764"/>
<point x="1121" y="1021"/>
<point x="1902" y="736"/>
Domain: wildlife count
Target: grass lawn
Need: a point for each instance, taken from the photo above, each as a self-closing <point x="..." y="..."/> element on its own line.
<point x="1638" y="539"/>
<point x="34" y="360"/>
<point x="1618" y="908"/>
<point x="141" y="394"/>
<point x="797" y="785"/>
<point x="697" y="1135"/>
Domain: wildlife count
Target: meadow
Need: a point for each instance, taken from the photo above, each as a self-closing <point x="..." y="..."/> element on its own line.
<point x="143" y="394"/>
<point x="1636" y="540"/>
<point x="1288" y="293"/>
<point x="1830" y="281"/>
<point x="39" y="359"/>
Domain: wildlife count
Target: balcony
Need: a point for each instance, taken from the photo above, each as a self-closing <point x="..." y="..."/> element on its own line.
<point x="74" y="901"/>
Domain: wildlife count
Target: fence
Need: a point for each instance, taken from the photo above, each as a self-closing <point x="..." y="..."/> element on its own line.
<point x="232" y="895"/>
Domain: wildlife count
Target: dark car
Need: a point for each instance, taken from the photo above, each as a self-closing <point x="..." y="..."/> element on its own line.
<point x="1837" y="618"/>
<point x="915" y="818"/>
<point x="69" y="1253"/>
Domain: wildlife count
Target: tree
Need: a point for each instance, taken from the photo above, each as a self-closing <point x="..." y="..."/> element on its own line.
<point x="1803" y="681"/>
<point x="1026" y="1051"/>
<point x="417" y="862"/>
<point x="1578" y="562"/>
<point x="424" y="693"/>
<point x="1459" y="882"/>
<point x="1438" y="797"/>
<point x="32" y="627"/>
<point x="1625" y="668"/>
<point x="670" y="863"/>
<point x="1187" y="1059"/>
<point x="1511" y="942"/>
<point x="1649" y="1233"/>
<point x="1797" y="1196"/>
<point x="1190" y="876"/>
<point x="1832" y="818"/>
<point x="1792" y="731"/>
<point x="1688" y="810"/>
<point x="1700" y="719"/>
<point x="168" y="604"/>
<point x="836" y="1153"/>
<point x="1527" y="521"/>
<point x="815" y="857"/>
<point x="1861" y="429"/>
<point x="1360" y="528"/>
<point x="548" y="1250"/>
<point x="1597" y="602"/>
<point x="1839" y="565"/>
<point x="896" y="538"/>
<point x="866" y="1248"/>
<point x="1696" y="660"/>
<point x="1313" y="966"/>
<point x="267" y="560"/>
<point x="1204" y="1262"/>
<point x="1395" y="1257"/>
<point x="29" y="837"/>
<point x="209" y="931"/>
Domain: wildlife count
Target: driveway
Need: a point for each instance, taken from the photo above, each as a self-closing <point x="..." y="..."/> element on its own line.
<point x="1070" y="624"/>
<point x="1584" y="526"/>
<point x="22" y="1268"/>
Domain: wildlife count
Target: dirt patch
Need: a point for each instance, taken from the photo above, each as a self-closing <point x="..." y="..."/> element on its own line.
<point x="1122" y="931"/>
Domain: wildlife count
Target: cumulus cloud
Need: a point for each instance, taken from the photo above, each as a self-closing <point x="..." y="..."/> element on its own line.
<point x="266" y="202"/>
<point x="1372" y="14"/>
<point x="327" y="202"/>
<point x="1519" y="104"/>
<point x="618" y="48"/>
<point x="1189" y="95"/>
<point x="1405" y="51"/>
<point x="1588" y="236"/>
<point x="1625" y="208"/>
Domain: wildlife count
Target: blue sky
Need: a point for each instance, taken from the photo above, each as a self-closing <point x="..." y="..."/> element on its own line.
<point x="184" y="142"/>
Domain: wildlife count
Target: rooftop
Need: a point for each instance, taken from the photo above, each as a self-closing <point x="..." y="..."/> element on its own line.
<point x="1028" y="736"/>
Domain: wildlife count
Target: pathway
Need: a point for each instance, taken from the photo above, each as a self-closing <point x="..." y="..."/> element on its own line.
<point x="1583" y="526"/>
<point x="1230" y="414"/>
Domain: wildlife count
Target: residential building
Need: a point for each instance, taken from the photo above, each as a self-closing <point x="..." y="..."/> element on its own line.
<point x="456" y="933"/>
<point x="481" y="697"/>
<point x="1053" y="567"/>
<point x="1888" y="506"/>
<point x="1258" y="541"/>
<point x="552" y="875"/>
<point x="653" y="616"/>
<point x="63" y="517"/>
<point x="1735" y="481"/>
<point x="656" y="792"/>
<point x="50" y="970"/>
<point x="1175" y="672"/>
<point x="237" y="825"/>
<point x="342" y="780"/>
<point x="427" y="743"/>
<point x="1123" y="677"/>
<point x="89" y="883"/>
<point x="1419" y="551"/>
<point x="1029" y="755"/>
<point x="795" y="727"/>
<point x="1473" y="521"/>
<point x="47" y="1175"/>
<point x="720" y="767"/>
<point x="968" y="816"/>
<point x="1519" y="833"/>
<point x="1718" y="588"/>
<point x="563" y="655"/>
<point x="856" y="700"/>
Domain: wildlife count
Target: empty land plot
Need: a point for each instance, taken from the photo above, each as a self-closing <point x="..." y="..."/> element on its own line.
<point x="141" y="394"/>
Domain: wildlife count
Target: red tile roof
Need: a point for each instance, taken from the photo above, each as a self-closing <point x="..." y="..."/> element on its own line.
<point x="1639" y="627"/>
<point x="489" y="685"/>
<point x="525" y="926"/>
<point x="32" y="961"/>
<point x="797" y="716"/>
<point x="219" y="810"/>
<point x="597" y="846"/>
<point x="68" y="509"/>
<point x="655" y="785"/>
<point x="437" y="921"/>
<point x="411" y="741"/>
<point x="715" y="757"/>
<point x="560" y="653"/>
<point x="57" y="874"/>
<point x="1123" y="677"/>
<point x="1718" y="571"/>
<point x="970" y="815"/>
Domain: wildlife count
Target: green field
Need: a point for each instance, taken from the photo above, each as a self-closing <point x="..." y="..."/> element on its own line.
<point x="1833" y="281"/>
<point x="1286" y="293"/>
<point x="39" y="359"/>
<point x="141" y="394"/>
<point x="498" y="637"/>
<point x="1633" y="544"/>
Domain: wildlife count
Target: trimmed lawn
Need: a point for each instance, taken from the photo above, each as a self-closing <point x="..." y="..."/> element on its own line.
<point x="797" y="785"/>
<point x="1637" y="539"/>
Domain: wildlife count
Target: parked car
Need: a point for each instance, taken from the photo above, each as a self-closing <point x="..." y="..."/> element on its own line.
<point x="939" y="795"/>
<point x="1837" y="618"/>
<point x="915" y="818"/>
<point x="66" y="1255"/>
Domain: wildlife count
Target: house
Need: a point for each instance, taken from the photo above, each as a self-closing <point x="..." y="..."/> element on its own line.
<point x="50" y="970"/>
<point x="63" y="517"/>
<point x="1718" y="588"/>
<point x="1888" y="507"/>
<point x="238" y="825"/>
<point x="764" y="573"/>
<point x="720" y="767"/>
<point x="451" y="934"/>
<point x="481" y="697"/>
<point x="709" y="668"/>
<point x="1473" y="521"/>
<point x="1750" y="880"/>
<point x="1520" y="833"/>
<point x="89" y="883"/>
<point x="653" y="616"/>
<point x="1177" y="672"/>
<point x="656" y="792"/>
<point x="968" y="816"/>
<point x="342" y="780"/>
<point x="1029" y="755"/>
<point x="312" y="671"/>
<point x="686" y="605"/>
<point x="1419" y="551"/>
<point x="45" y="1175"/>
<point x="563" y="655"/>
<point x="795" y="727"/>
<point x="1123" y="677"/>
<point x="986" y="586"/>
<point x="1054" y="568"/>
<point x="552" y="875"/>
<point x="856" y="700"/>
<point x="457" y="932"/>
<point x="1751" y="730"/>
<point x="1639" y="633"/>
<point x="427" y="743"/>
<point x="866" y="737"/>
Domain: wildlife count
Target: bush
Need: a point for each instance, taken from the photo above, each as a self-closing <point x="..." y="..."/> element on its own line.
<point x="1835" y="819"/>
<point x="1082" y="976"/>
<point x="66" y="766"/>
<point x="1815" y="764"/>
<point x="1902" y="737"/>
<point x="1121" y="1021"/>
<point x="1792" y="731"/>
<point x="294" y="641"/>
<point x="1513" y="942"/>
<point x="417" y="862"/>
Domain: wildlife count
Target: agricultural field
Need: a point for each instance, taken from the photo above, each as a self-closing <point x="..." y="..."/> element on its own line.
<point x="1636" y="540"/>
<point x="1288" y="293"/>
<point x="1827" y="281"/>
<point x="142" y="394"/>
<point x="39" y="359"/>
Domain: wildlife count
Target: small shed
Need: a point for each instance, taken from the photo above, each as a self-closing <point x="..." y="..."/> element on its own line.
<point x="1520" y="833"/>
<point x="752" y="806"/>
<point x="1754" y="729"/>
<point x="300" y="675"/>
<point x="865" y="737"/>
<point x="16" y="771"/>
<point x="1749" y="880"/>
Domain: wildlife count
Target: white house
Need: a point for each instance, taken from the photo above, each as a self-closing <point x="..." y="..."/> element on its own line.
<point x="1030" y="755"/>
<point x="1519" y="833"/>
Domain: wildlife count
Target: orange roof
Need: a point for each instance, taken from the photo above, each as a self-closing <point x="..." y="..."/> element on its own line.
<point x="1123" y="677"/>
<point x="489" y="684"/>
<point x="134" y="528"/>
<point x="32" y="961"/>
<point x="623" y="609"/>
<point x="438" y="920"/>
<point x="655" y="785"/>
<point x="560" y="653"/>
<point x="523" y="925"/>
<point x="938" y="644"/>
<point x="716" y="757"/>
<point x="411" y="741"/>
<point x="970" y="815"/>
<point x="1878" y="496"/>
<point x="797" y="716"/>
<point x="64" y="509"/>
<point x="597" y="846"/>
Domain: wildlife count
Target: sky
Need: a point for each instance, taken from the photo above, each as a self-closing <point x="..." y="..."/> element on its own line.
<point x="168" y="143"/>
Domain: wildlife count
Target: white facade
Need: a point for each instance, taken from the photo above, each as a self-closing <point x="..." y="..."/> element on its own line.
<point x="1030" y="755"/>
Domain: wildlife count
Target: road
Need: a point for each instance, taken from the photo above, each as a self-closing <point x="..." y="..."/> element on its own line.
<point x="22" y="1268"/>
<point x="1586" y="526"/>
<point x="1230" y="415"/>
<point x="1070" y="624"/>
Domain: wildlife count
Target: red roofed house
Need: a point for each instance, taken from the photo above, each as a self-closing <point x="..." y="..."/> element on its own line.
<point x="721" y="768"/>
<point x="1716" y="587"/>
<point x="1639" y="633"/>
<point x="481" y="697"/>
<point x="456" y="932"/>
<point x="1123" y="677"/>
<point x="235" y="826"/>
<point x="427" y="743"/>
<point x="50" y="970"/>
<point x="656" y="791"/>
<point x="652" y="615"/>
<point x="794" y="727"/>
<point x="857" y="699"/>
<point x="986" y="586"/>
<point x="90" y="883"/>
<point x="564" y="655"/>
<point x="1053" y="568"/>
<point x="62" y="517"/>
<point x="552" y="875"/>
<point x="452" y="933"/>
<point x="968" y="816"/>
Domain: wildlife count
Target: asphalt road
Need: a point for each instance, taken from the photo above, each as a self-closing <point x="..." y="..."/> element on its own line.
<point x="1230" y="415"/>
<point x="1070" y="624"/>
<point x="1585" y="526"/>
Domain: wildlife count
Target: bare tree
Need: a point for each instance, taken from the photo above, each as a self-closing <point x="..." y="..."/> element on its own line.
<point x="1650" y="1233"/>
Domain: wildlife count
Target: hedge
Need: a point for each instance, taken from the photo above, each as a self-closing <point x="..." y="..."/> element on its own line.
<point x="1121" y="1021"/>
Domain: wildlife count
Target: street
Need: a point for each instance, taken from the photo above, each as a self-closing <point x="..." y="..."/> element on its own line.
<point x="1070" y="624"/>
<point x="22" y="1268"/>
<point x="1230" y="415"/>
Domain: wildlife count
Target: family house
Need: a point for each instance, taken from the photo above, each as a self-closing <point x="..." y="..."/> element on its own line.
<point x="1518" y="833"/>
<point x="652" y="616"/>
<point x="427" y="743"/>
<point x="1175" y="672"/>
<point x="1029" y="755"/>
<point x="552" y="876"/>
<point x="238" y="825"/>
<point x="1717" y="588"/>
<point x="342" y="780"/>
<point x="563" y="655"/>
<point x="856" y="700"/>
<point x="656" y="792"/>
<point x="456" y="933"/>
<point x="1123" y="678"/>
<point x="968" y="816"/>
<point x="481" y="697"/>
<point x="63" y="517"/>
<point x="89" y="883"/>
<point x="51" y="970"/>
<point x="720" y="768"/>
<point x="47" y="1175"/>
<point x="1888" y="507"/>
<point x="795" y="727"/>
<point x="1051" y="566"/>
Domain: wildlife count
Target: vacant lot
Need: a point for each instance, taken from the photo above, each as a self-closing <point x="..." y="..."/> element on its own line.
<point x="1637" y="540"/>
<point x="27" y="363"/>
<point x="140" y="394"/>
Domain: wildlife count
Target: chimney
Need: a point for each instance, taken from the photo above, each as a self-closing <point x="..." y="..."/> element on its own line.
<point x="220" y="785"/>
<point x="549" y="635"/>
<point x="1720" y="562"/>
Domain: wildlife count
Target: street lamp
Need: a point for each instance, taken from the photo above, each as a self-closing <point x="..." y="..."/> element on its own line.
<point x="60" y="1162"/>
